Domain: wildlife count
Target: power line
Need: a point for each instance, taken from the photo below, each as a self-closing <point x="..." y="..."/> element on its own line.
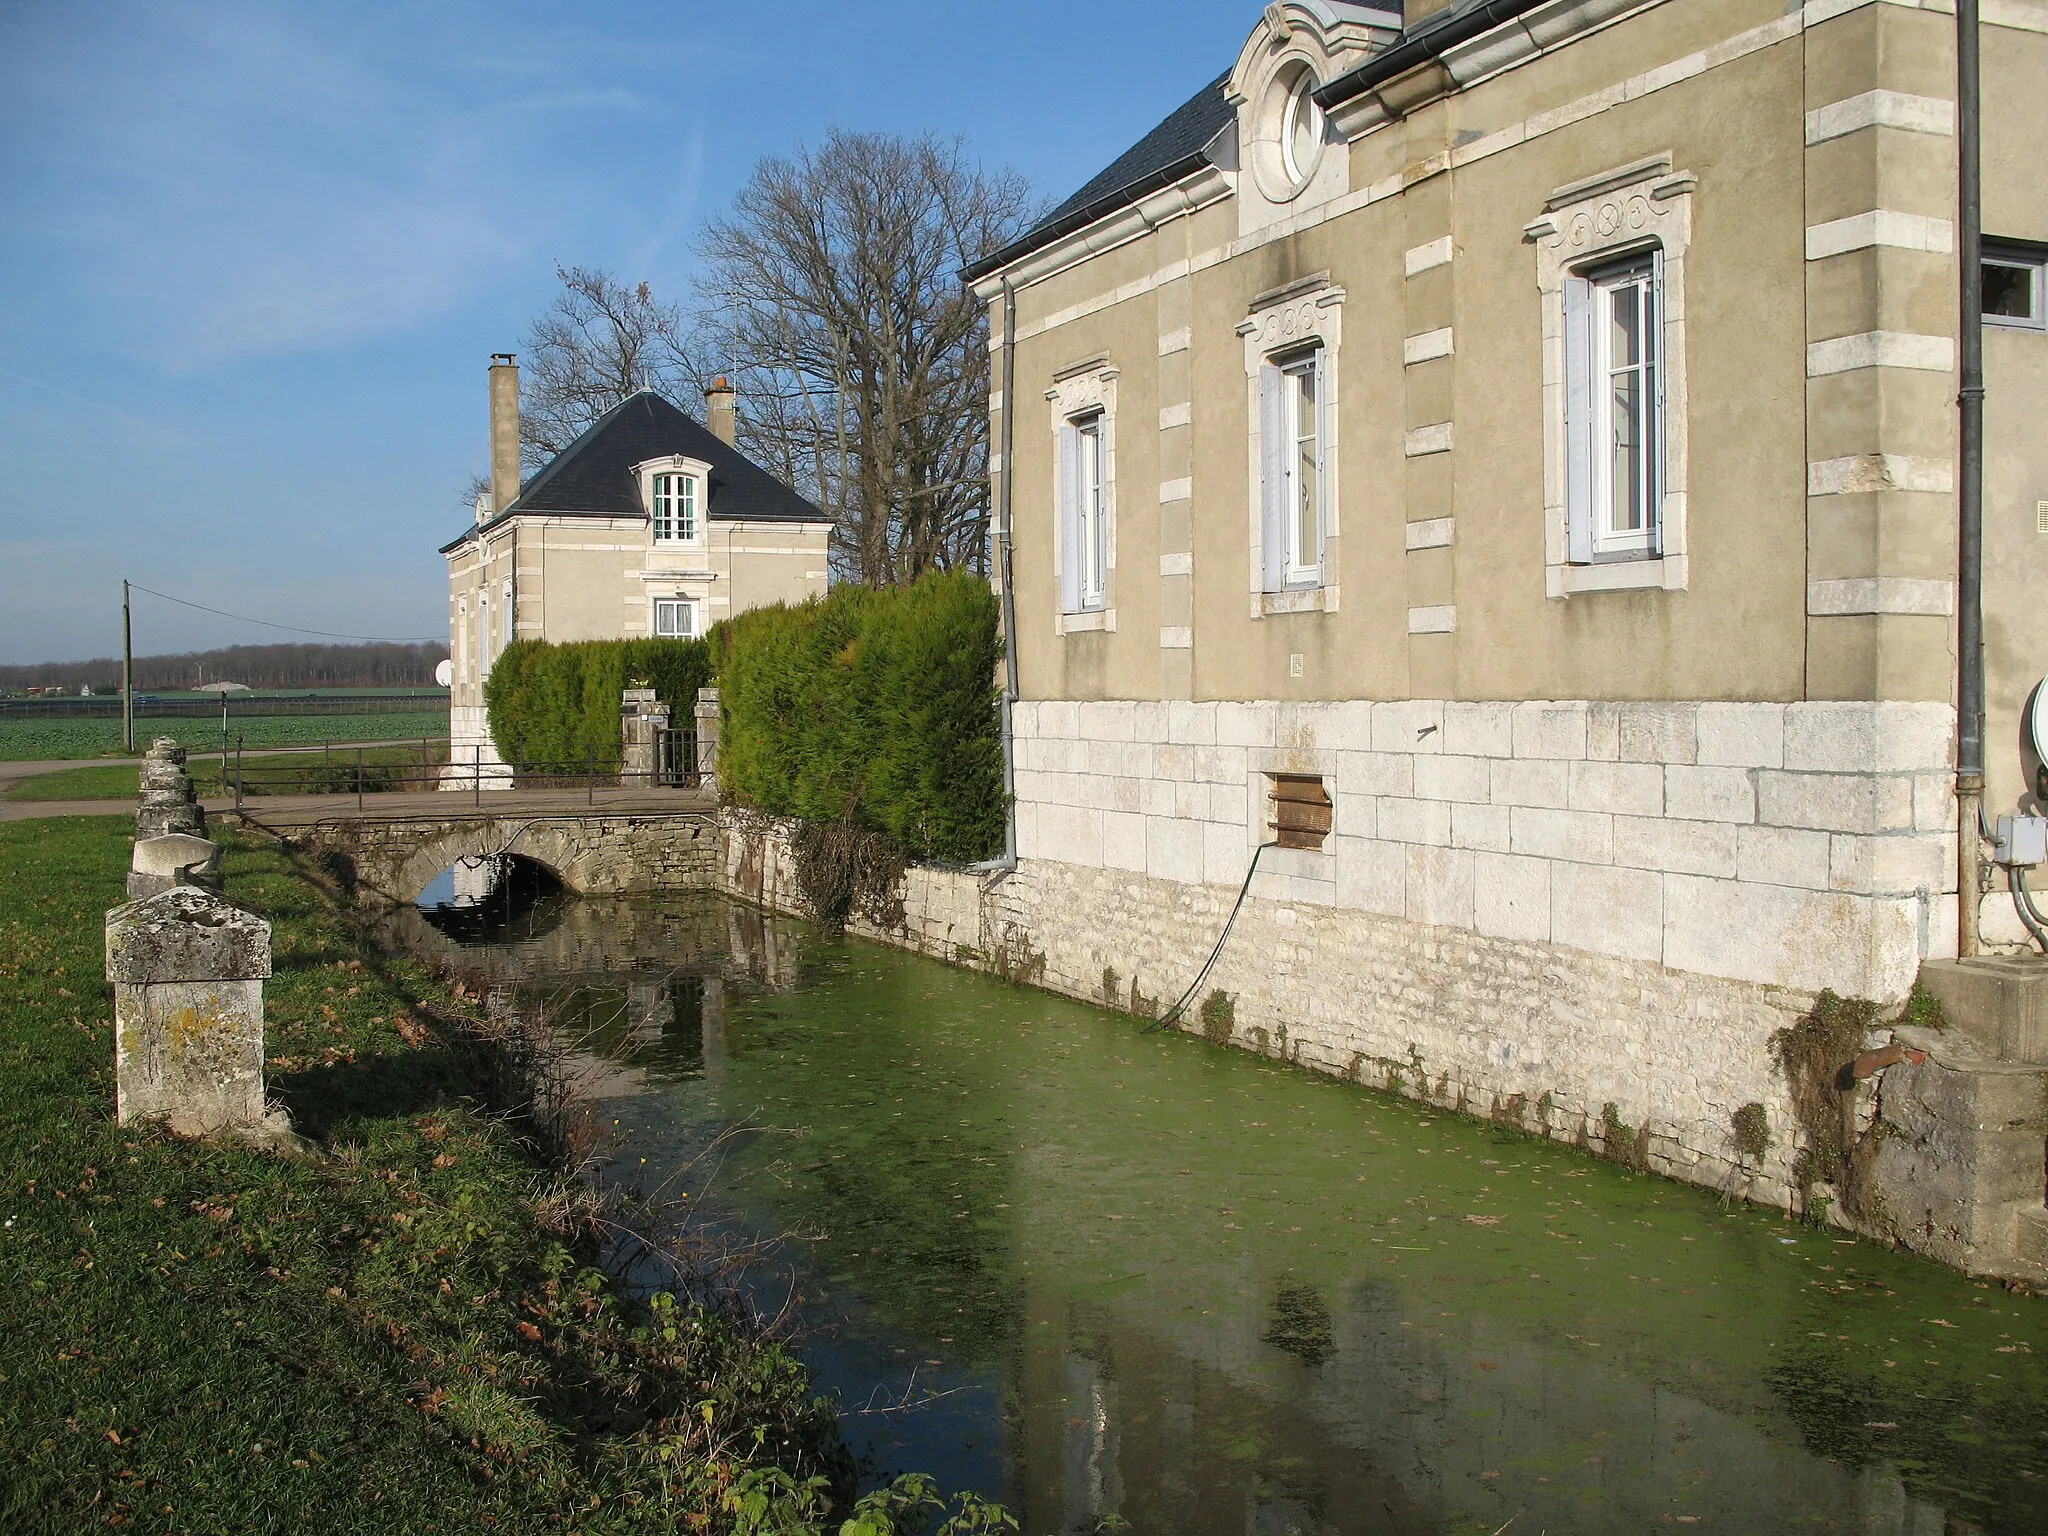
<point x="325" y="634"/>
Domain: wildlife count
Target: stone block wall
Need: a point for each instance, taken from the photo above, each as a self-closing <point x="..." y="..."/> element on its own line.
<point x="1797" y="846"/>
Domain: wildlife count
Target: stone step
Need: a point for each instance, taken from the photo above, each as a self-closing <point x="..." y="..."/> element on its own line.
<point x="1999" y="1002"/>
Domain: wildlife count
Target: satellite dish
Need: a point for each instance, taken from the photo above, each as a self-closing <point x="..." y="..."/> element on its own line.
<point x="444" y="673"/>
<point x="2037" y="720"/>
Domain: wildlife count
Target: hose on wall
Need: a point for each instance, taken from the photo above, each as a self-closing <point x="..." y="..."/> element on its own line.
<point x="1179" y="1010"/>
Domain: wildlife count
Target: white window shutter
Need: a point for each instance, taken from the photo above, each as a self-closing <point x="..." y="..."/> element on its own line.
<point x="1273" y="448"/>
<point x="1322" y="456"/>
<point x="1578" y="419"/>
<point x="1070" y="519"/>
<point x="1655" y="343"/>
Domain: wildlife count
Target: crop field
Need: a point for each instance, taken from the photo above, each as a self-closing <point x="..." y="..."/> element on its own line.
<point x="117" y="781"/>
<point x="56" y="740"/>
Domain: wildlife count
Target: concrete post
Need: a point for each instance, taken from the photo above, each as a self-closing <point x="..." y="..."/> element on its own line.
<point x="707" y="739"/>
<point x="188" y="972"/>
<point x="642" y="719"/>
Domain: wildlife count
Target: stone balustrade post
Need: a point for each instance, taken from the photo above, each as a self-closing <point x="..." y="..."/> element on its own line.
<point x="188" y="971"/>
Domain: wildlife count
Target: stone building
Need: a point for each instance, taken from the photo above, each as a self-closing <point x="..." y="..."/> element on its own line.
<point x="650" y="523"/>
<point x="1506" y="455"/>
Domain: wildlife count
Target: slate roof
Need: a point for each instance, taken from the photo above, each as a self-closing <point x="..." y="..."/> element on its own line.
<point x="593" y="476"/>
<point x="1162" y="157"/>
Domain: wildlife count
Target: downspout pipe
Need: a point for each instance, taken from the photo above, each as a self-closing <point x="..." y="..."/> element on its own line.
<point x="1969" y="489"/>
<point x="1007" y="864"/>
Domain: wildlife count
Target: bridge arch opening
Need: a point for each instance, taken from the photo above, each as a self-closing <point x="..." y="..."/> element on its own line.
<point x="502" y="895"/>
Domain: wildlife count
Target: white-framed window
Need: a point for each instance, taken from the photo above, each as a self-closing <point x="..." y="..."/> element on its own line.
<point x="2015" y="286"/>
<point x="1082" y="416"/>
<point x="673" y="503"/>
<point x="1614" y="409"/>
<point x="1084" y="510"/>
<point x="1293" y="432"/>
<point x="482" y="653"/>
<point x="675" y="618"/>
<point x="1611" y="253"/>
<point x="506" y="609"/>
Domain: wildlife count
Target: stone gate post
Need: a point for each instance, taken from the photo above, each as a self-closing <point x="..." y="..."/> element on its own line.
<point x="707" y="739"/>
<point x="642" y="719"/>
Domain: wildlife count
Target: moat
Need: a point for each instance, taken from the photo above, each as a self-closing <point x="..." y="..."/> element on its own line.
<point x="1108" y="1276"/>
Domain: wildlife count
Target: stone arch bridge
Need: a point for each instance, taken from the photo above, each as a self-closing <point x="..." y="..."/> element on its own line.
<point x="392" y="855"/>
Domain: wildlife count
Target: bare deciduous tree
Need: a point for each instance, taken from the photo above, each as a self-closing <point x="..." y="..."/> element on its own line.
<point x="598" y="343"/>
<point x="832" y="292"/>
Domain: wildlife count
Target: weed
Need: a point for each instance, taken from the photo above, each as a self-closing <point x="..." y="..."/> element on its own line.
<point x="1924" y="1010"/>
<point x="844" y="870"/>
<point x="1752" y="1128"/>
<point x="1219" y="1017"/>
<point x="1630" y="1148"/>
<point x="1812" y="1054"/>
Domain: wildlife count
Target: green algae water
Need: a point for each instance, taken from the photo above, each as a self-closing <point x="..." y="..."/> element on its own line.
<point x="1140" y="1282"/>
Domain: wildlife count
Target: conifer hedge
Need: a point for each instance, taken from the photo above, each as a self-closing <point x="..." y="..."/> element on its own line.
<point x="558" y="704"/>
<point x="876" y="707"/>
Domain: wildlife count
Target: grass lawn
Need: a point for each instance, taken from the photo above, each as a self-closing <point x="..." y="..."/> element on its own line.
<point x="31" y="740"/>
<point x="117" y="781"/>
<point x="399" y="1333"/>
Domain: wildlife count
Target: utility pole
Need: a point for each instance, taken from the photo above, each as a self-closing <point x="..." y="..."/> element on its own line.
<point x="1969" y="489"/>
<point x="127" y="675"/>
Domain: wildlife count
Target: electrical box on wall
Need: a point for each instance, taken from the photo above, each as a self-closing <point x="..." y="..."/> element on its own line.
<point x="2022" y="841"/>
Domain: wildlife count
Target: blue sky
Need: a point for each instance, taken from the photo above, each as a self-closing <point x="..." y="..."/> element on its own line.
<point x="254" y="258"/>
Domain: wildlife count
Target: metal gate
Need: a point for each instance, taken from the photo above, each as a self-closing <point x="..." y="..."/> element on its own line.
<point x="675" y="757"/>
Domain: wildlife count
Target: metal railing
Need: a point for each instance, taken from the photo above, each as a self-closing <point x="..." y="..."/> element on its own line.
<point x="363" y="772"/>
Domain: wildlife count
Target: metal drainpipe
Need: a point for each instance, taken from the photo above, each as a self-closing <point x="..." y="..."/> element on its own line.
<point x="1007" y="864"/>
<point x="1970" y="492"/>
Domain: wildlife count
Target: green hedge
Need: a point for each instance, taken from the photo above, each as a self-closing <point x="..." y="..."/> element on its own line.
<point x="559" y="704"/>
<point x="877" y="707"/>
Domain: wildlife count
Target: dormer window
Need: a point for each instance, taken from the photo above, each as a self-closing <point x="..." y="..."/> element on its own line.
<point x="675" y="509"/>
<point x="676" y="492"/>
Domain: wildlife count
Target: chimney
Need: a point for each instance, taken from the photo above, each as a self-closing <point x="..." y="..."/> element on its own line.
<point x="504" y="431"/>
<point x="721" y="410"/>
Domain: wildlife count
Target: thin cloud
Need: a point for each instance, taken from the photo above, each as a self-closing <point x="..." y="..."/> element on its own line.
<point x="65" y="394"/>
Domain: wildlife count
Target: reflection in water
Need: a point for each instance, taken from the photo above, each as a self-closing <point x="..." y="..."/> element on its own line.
<point x="497" y="898"/>
<point x="1106" y="1277"/>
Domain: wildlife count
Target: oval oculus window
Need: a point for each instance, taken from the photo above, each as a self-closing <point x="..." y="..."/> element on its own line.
<point x="1301" y="130"/>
